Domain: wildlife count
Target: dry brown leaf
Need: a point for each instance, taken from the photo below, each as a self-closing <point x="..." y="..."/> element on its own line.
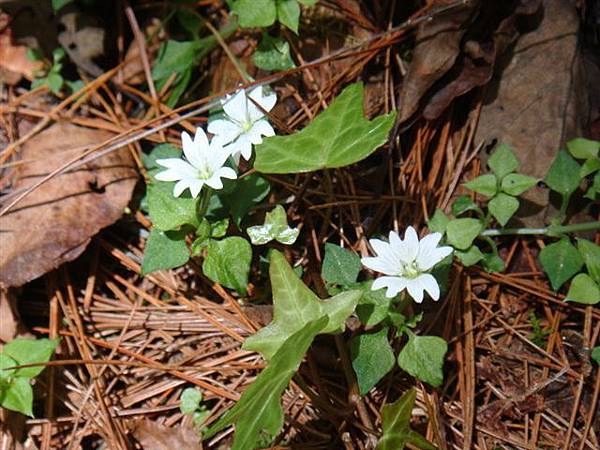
<point x="14" y="63"/>
<point x="55" y="222"/>
<point x="438" y="45"/>
<point x="153" y="436"/>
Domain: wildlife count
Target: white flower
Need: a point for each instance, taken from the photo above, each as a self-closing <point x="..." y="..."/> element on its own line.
<point x="203" y="165"/>
<point x="244" y="123"/>
<point x="405" y="262"/>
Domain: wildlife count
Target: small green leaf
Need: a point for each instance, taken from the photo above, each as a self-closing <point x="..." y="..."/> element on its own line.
<point x="274" y="227"/>
<point x="337" y="137"/>
<point x="492" y="262"/>
<point x="258" y="413"/>
<point x="294" y="305"/>
<point x="469" y="257"/>
<point x="438" y="222"/>
<point x="516" y="184"/>
<point x="590" y="166"/>
<point x="596" y="354"/>
<point x="583" y="290"/>
<point x="594" y="189"/>
<point x="288" y="13"/>
<point x="55" y="82"/>
<point x="273" y="53"/>
<point x="190" y="400"/>
<point x="199" y="417"/>
<point x="174" y="57"/>
<point x="59" y="4"/>
<point x="395" y="421"/>
<point x="503" y="207"/>
<point x="462" y="232"/>
<point x="168" y="212"/>
<point x="18" y="396"/>
<point x="560" y="261"/>
<point x="591" y="257"/>
<point x="503" y="161"/>
<point x="29" y="351"/>
<point x="484" y="184"/>
<point x="247" y="192"/>
<point x="340" y="266"/>
<point x="6" y="361"/>
<point x="164" y="250"/>
<point x="423" y="358"/>
<point x="228" y="262"/>
<point x="373" y="306"/>
<point x="463" y="204"/>
<point x="563" y="175"/>
<point x="255" y="13"/>
<point x="582" y="148"/>
<point x="372" y="358"/>
<point x="218" y="229"/>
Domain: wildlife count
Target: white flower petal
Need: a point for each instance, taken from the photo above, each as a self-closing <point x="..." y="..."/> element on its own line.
<point x="430" y="284"/>
<point x="227" y="172"/>
<point x="195" y="187"/>
<point x="224" y="131"/>
<point x="263" y="128"/>
<point x="411" y="245"/>
<point x="266" y="103"/>
<point x="429" y="257"/>
<point x="180" y="186"/>
<point x="195" y="152"/>
<point x="178" y="169"/>
<point x="379" y="264"/>
<point x="415" y="289"/>
<point x="394" y="285"/>
<point x="244" y="147"/>
<point x="236" y="107"/>
<point x="217" y="157"/>
<point x="214" y="182"/>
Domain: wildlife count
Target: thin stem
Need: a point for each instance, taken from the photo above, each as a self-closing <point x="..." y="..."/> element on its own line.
<point x="549" y="231"/>
<point x="202" y="205"/>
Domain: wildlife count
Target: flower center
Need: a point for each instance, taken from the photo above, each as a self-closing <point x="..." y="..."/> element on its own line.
<point x="205" y="173"/>
<point x="247" y="126"/>
<point x="411" y="270"/>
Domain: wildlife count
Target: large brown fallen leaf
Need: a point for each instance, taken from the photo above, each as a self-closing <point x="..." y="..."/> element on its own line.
<point x="153" y="436"/>
<point x="55" y="222"/>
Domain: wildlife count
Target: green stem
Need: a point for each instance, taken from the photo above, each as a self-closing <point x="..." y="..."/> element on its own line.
<point x="202" y="205"/>
<point x="548" y="231"/>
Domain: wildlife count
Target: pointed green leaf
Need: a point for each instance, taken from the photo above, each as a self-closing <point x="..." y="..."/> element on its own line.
<point x="18" y="396"/>
<point x="340" y="265"/>
<point x="288" y="13"/>
<point x="5" y="362"/>
<point x="591" y="256"/>
<point x="503" y="161"/>
<point x="492" y="262"/>
<point x="563" y="175"/>
<point x="503" y="207"/>
<point x="372" y="358"/>
<point x="484" y="184"/>
<point x="463" y="204"/>
<point x="190" y="400"/>
<point x="164" y="250"/>
<point x="337" y="137"/>
<point x="373" y="306"/>
<point x="469" y="257"/>
<point x="438" y="222"/>
<point x="273" y="53"/>
<point x="582" y="148"/>
<point x="255" y="13"/>
<point x="590" y="166"/>
<point x="168" y="212"/>
<point x="462" y="232"/>
<point x="423" y="358"/>
<point x="560" y="261"/>
<point x="258" y="413"/>
<point x="594" y="189"/>
<point x="516" y="184"/>
<point x="395" y="421"/>
<point x="294" y="305"/>
<point x="583" y="290"/>
<point x="228" y="262"/>
<point x="274" y="227"/>
<point x="29" y="351"/>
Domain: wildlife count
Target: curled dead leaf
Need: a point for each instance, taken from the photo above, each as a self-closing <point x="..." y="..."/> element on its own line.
<point x="55" y="222"/>
<point x="154" y="436"/>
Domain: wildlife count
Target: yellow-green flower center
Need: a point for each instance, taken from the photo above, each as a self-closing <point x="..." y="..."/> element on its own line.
<point x="411" y="270"/>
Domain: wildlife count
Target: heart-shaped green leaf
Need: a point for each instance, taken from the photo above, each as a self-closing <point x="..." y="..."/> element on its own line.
<point x="484" y="184"/>
<point x="228" y="262"/>
<point x="372" y="358"/>
<point x="516" y="184"/>
<point x="337" y="137"/>
<point x="560" y="261"/>
<point x="423" y="358"/>
<point x="583" y="290"/>
<point x="294" y="305"/>
<point x="462" y="232"/>
<point x="502" y="207"/>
